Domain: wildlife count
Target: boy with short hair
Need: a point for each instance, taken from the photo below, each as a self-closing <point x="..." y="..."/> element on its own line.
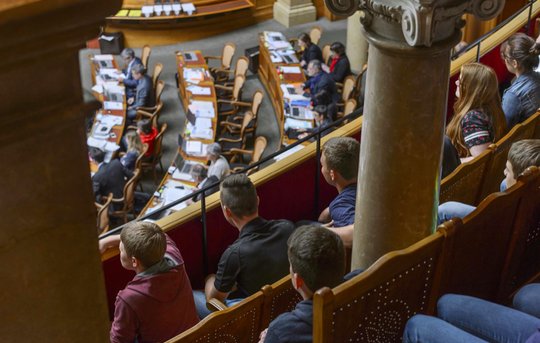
<point x="158" y="303"/>
<point x="317" y="259"/>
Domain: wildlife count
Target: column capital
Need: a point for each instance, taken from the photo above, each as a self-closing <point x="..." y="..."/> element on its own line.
<point x="417" y="22"/>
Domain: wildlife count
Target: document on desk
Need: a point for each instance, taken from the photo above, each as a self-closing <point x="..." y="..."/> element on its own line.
<point x="171" y="194"/>
<point x="113" y="105"/>
<point x="193" y="75"/>
<point x="297" y="124"/>
<point x="96" y="143"/>
<point x="275" y="57"/>
<point x="204" y="109"/>
<point x="290" y="70"/>
<point x="194" y="148"/>
<point x="203" y="123"/>
<point x="197" y="90"/>
<point x="110" y="120"/>
<point x="103" y="57"/>
<point x="114" y="88"/>
<point x="98" y="89"/>
<point x="288" y="56"/>
<point x="110" y="72"/>
<point x="202" y="133"/>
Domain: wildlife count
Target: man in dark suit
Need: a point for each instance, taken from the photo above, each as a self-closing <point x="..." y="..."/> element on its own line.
<point x="322" y="88"/>
<point x="110" y="178"/>
<point x="128" y="55"/>
<point x="144" y="93"/>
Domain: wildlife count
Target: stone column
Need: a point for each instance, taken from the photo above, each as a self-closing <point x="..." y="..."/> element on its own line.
<point x="402" y="132"/>
<point x="51" y="279"/>
<point x="357" y="46"/>
<point x="294" y="12"/>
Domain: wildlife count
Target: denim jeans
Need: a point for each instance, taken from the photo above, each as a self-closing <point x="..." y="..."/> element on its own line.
<point x="452" y="209"/>
<point x="528" y="299"/>
<point x="468" y="319"/>
<point x="200" y="303"/>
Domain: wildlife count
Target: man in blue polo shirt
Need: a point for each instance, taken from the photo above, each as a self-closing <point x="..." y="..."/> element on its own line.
<point x="317" y="259"/>
<point x="339" y="167"/>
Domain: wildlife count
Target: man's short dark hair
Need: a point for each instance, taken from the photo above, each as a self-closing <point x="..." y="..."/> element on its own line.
<point x="97" y="155"/>
<point x="128" y="52"/>
<point x="317" y="255"/>
<point x="199" y="171"/>
<point x="139" y="69"/>
<point x="239" y="195"/>
<point x="342" y="155"/>
<point x="145" y="241"/>
<point x="524" y="154"/>
<point x="145" y="126"/>
<point x="315" y="64"/>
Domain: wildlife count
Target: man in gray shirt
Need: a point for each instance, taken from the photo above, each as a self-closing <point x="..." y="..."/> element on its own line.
<point x="219" y="166"/>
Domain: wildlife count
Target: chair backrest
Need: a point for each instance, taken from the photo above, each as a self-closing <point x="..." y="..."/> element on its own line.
<point x="138" y="161"/>
<point x="239" y="324"/>
<point x="350" y="106"/>
<point x="279" y="297"/>
<point x="248" y="117"/>
<point x="228" y="52"/>
<point x="239" y="81"/>
<point x="358" y="83"/>
<point x="242" y="64"/>
<point x="326" y="53"/>
<point x="495" y="170"/>
<point x="159" y="90"/>
<point x="258" y="97"/>
<point x="465" y="182"/>
<point x="348" y="87"/>
<point x="158" y="144"/>
<point x="375" y="305"/>
<point x="523" y="260"/>
<point x="315" y="34"/>
<point x="103" y="215"/>
<point x="476" y="251"/>
<point x="157" y="72"/>
<point x="258" y="148"/>
<point x="129" y="190"/>
<point x="145" y="55"/>
<point x="155" y="115"/>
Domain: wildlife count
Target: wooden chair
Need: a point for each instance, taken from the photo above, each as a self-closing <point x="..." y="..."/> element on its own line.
<point x="358" y="83"/>
<point x="128" y="199"/>
<point x="375" y="305"/>
<point x="254" y="107"/>
<point x="258" y="149"/>
<point x="240" y="323"/>
<point x="241" y="68"/>
<point x="232" y="140"/>
<point x="476" y="251"/>
<point x="495" y="169"/>
<point x="350" y="106"/>
<point x="536" y="134"/>
<point x="158" y="67"/>
<point x="523" y="259"/>
<point x="315" y="34"/>
<point x="326" y="53"/>
<point x="229" y="96"/>
<point x="226" y="61"/>
<point x="465" y="182"/>
<point x="279" y="297"/>
<point x="145" y="55"/>
<point x="346" y="90"/>
<point x="151" y="163"/>
<point x="152" y="116"/>
<point x="103" y="215"/>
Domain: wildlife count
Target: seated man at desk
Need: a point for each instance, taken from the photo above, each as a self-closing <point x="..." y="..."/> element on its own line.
<point x="128" y="55"/>
<point x="219" y="166"/>
<point x="110" y="178"/>
<point x="321" y="86"/>
<point x="322" y="120"/>
<point x="339" y="167"/>
<point x="259" y="255"/>
<point x="200" y="175"/>
<point x="144" y="93"/>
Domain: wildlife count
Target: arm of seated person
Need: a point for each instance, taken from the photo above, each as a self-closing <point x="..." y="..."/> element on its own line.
<point x="475" y="151"/>
<point x="108" y="243"/>
<point x="211" y="292"/>
<point x="345" y="233"/>
<point x="324" y="217"/>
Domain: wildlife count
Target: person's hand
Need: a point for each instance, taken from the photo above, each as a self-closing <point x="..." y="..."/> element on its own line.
<point x="303" y="135"/>
<point x="120" y="79"/>
<point x="130" y="101"/>
<point x="325" y="68"/>
<point x="102" y="247"/>
<point x="262" y="336"/>
<point x="330" y="224"/>
<point x="302" y="63"/>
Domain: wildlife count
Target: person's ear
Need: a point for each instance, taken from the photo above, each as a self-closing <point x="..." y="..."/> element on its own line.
<point x="332" y="175"/>
<point x="297" y="281"/>
<point x="135" y="262"/>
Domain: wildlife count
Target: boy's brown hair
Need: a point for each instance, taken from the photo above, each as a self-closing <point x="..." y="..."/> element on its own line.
<point x="524" y="154"/>
<point x="145" y="241"/>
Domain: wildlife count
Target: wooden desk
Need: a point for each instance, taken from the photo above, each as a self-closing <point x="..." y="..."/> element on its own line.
<point x="187" y="97"/>
<point x="117" y="131"/>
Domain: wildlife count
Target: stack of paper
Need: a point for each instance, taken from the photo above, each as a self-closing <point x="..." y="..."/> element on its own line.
<point x="110" y="72"/>
<point x="203" y="109"/>
<point x="197" y="90"/>
<point x="288" y="56"/>
<point x="276" y="40"/>
<point x="194" y="148"/>
<point x="113" y="105"/>
<point x="297" y="124"/>
<point x="110" y="120"/>
<point x="290" y="70"/>
<point x="193" y="75"/>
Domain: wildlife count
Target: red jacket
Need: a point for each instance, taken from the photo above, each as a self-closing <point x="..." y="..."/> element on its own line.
<point x="149" y="139"/>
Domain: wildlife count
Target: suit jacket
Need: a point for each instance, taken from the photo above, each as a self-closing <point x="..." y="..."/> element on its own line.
<point x="312" y="53"/>
<point x="110" y="178"/>
<point x="342" y="69"/>
<point x="129" y="81"/>
<point x="144" y="95"/>
<point x="207" y="182"/>
<point x="322" y="89"/>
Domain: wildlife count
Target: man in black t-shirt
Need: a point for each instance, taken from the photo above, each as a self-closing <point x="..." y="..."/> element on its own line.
<point x="259" y="255"/>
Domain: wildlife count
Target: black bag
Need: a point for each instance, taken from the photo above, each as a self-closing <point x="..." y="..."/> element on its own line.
<point x="111" y="42"/>
<point x="253" y="56"/>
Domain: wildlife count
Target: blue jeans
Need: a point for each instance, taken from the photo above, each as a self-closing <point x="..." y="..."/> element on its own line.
<point x="468" y="319"/>
<point x="452" y="209"/>
<point x="528" y="299"/>
<point x="200" y="303"/>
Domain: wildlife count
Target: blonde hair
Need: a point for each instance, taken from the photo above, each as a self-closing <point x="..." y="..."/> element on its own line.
<point x="134" y="142"/>
<point x="478" y="90"/>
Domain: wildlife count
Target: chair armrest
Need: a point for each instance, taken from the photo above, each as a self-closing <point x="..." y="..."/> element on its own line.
<point x="118" y="200"/>
<point x="212" y="57"/>
<point x="339" y="85"/>
<point x="242" y="103"/>
<point x="215" y="305"/>
<point x="241" y="151"/>
<point x="147" y="109"/>
<point x="228" y="124"/>
<point x="225" y="101"/>
<point x="230" y="89"/>
<point x="230" y="140"/>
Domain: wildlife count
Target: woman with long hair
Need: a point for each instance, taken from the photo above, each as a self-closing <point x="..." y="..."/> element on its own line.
<point x="134" y="149"/>
<point x="522" y="99"/>
<point x="478" y="117"/>
<point x="310" y="51"/>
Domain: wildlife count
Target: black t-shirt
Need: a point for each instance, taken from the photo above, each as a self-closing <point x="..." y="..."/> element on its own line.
<point x="258" y="257"/>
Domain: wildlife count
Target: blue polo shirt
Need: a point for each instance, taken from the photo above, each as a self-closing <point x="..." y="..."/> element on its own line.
<point x="342" y="207"/>
<point x="295" y="326"/>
